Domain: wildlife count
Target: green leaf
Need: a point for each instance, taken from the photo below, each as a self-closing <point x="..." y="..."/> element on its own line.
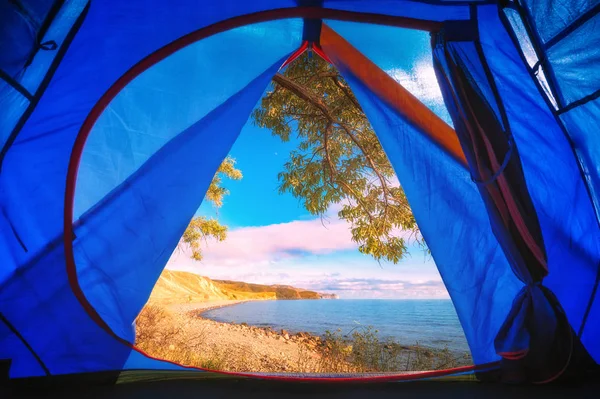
<point x="339" y="157"/>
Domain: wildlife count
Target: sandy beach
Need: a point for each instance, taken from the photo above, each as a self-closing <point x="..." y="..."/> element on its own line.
<point x="178" y="332"/>
<point x="233" y="347"/>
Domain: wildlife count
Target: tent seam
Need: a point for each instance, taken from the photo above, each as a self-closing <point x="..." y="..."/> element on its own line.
<point x="24" y="341"/>
<point x="540" y="52"/>
<point x="542" y="92"/>
<point x="578" y="103"/>
<point x="15" y="85"/>
<point x="573" y="26"/>
<point x="44" y="84"/>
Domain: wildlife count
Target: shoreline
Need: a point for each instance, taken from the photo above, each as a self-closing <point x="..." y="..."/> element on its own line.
<point x="310" y="339"/>
<point x="198" y="312"/>
<point x="199" y="308"/>
<point x="180" y="333"/>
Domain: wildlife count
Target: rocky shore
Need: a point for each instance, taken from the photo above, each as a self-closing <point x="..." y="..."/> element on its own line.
<point x="312" y="341"/>
<point x="224" y="346"/>
<point x="179" y="333"/>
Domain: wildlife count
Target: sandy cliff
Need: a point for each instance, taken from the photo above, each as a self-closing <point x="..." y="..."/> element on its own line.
<point x="185" y="287"/>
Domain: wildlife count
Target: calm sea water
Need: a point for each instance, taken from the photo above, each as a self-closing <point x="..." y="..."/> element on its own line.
<point x="431" y="323"/>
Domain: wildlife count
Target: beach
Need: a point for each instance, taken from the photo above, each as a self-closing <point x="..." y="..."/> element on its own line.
<point x="180" y="328"/>
<point x="179" y="333"/>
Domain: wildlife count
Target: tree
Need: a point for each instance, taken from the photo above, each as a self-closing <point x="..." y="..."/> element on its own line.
<point x="339" y="158"/>
<point x="202" y="228"/>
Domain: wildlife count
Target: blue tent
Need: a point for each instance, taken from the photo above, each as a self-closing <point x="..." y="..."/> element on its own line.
<point x="105" y="107"/>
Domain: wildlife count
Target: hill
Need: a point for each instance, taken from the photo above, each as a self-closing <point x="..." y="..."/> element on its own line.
<point x="183" y="287"/>
<point x="280" y="291"/>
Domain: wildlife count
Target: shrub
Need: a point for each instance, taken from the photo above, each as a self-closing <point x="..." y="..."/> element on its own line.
<point x="155" y="327"/>
<point x="161" y="335"/>
<point x="364" y="351"/>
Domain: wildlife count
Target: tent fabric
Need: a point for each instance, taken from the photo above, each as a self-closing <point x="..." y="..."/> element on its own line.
<point x="585" y="165"/>
<point x="167" y="98"/>
<point x="571" y="238"/>
<point x="429" y="10"/>
<point x="485" y="130"/>
<point x="571" y="84"/>
<point x="573" y="90"/>
<point x="133" y="207"/>
<point x="446" y="204"/>
<point x="107" y="105"/>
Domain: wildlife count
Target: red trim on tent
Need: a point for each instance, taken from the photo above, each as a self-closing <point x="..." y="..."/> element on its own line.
<point x="156" y="57"/>
<point x="514" y="355"/>
<point x="296" y="54"/>
<point x="306" y="45"/>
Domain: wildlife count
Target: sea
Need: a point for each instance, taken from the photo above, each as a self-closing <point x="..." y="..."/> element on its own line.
<point x="431" y="323"/>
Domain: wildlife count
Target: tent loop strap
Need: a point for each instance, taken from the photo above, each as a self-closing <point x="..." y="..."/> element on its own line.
<point x="505" y="162"/>
<point x="48" y="45"/>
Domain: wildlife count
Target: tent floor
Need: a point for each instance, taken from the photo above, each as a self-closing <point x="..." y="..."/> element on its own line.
<point x="249" y="389"/>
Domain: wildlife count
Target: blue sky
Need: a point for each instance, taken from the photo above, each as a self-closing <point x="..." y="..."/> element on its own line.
<point x="272" y="239"/>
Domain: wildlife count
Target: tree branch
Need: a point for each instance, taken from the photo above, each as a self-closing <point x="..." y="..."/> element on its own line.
<point x="307" y="96"/>
<point x="333" y="176"/>
<point x="346" y="92"/>
<point x="382" y="179"/>
<point x="302" y="93"/>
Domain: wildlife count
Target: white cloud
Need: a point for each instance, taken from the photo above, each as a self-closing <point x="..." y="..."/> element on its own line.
<point x="348" y="275"/>
<point x="276" y="242"/>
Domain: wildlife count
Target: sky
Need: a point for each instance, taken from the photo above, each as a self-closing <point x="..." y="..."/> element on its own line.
<point x="272" y="239"/>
